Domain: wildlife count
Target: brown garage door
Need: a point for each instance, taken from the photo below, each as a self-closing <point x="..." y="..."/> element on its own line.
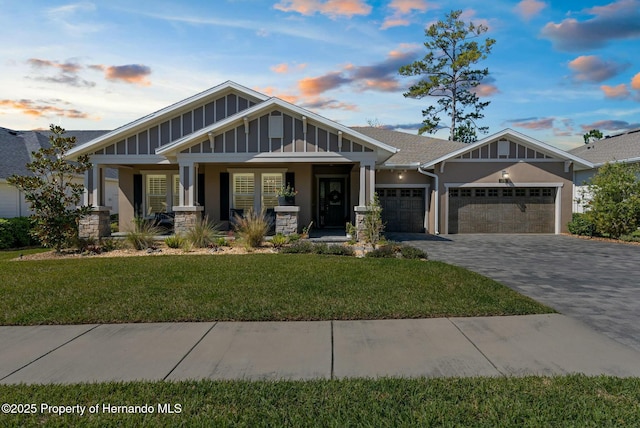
<point x="402" y="209"/>
<point x="497" y="210"/>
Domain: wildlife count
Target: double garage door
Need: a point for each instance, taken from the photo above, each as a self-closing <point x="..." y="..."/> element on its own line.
<point x="402" y="209"/>
<point x="502" y="210"/>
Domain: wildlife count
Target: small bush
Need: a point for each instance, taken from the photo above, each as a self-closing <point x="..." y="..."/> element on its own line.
<point x="203" y="233"/>
<point x="174" y="241"/>
<point x="279" y="240"/>
<point x="294" y="237"/>
<point x="221" y="242"/>
<point x="141" y="234"/>
<point x="252" y="227"/>
<point x="109" y="244"/>
<point x="16" y="232"/>
<point x="300" y="247"/>
<point x="385" y="251"/>
<point x="339" y="250"/>
<point x="409" y="252"/>
<point x="581" y="224"/>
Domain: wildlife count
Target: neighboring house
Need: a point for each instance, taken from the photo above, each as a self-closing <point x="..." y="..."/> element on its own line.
<point x="623" y="147"/>
<point x="16" y="148"/>
<point x="230" y="148"/>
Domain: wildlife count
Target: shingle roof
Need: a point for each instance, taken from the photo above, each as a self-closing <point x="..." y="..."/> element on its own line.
<point x="16" y="148"/>
<point x="616" y="148"/>
<point x="414" y="149"/>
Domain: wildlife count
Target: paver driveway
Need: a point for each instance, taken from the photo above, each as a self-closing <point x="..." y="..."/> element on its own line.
<point x="593" y="281"/>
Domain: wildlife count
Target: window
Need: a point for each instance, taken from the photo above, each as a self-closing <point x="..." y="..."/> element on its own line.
<point x="271" y="183"/>
<point x="391" y="193"/>
<point x="156" y="193"/>
<point x="481" y="193"/>
<point x="547" y="191"/>
<point x="405" y="193"/>
<point x="417" y="193"/>
<point x="465" y="192"/>
<point x="492" y="193"/>
<point x="507" y="193"/>
<point x="521" y="192"/>
<point x="534" y="192"/>
<point x="454" y="193"/>
<point x="243" y="190"/>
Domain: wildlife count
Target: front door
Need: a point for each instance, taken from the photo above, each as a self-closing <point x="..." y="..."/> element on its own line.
<point x="332" y="202"/>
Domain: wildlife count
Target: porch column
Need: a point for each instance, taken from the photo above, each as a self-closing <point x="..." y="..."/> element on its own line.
<point x="187" y="214"/>
<point x="97" y="223"/>
<point x="362" y="200"/>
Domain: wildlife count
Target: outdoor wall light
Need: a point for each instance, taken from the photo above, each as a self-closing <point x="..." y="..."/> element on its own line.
<point x="505" y="177"/>
<point x="400" y="175"/>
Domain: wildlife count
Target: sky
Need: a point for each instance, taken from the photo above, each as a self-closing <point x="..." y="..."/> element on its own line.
<point x="557" y="69"/>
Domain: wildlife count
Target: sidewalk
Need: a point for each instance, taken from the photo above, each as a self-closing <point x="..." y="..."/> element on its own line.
<point x="441" y="347"/>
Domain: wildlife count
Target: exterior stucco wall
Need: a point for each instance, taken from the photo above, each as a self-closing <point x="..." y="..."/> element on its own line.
<point x="519" y="173"/>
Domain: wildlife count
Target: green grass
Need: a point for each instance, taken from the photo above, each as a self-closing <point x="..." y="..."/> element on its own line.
<point x="245" y="287"/>
<point x="576" y="400"/>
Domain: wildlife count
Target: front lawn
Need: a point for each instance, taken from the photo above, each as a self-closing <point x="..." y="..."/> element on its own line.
<point x="576" y="400"/>
<point x="244" y="288"/>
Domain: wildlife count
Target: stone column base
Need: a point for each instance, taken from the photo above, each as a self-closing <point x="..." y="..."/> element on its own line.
<point x="361" y="213"/>
<point x="287" y="219"/>
<point x="186" y="218"/>
<point x="96" y="224"/>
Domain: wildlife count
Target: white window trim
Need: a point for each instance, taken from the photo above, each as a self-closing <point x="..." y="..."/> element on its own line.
<point x="257" y="176"/>
<point x="169" y="176"/>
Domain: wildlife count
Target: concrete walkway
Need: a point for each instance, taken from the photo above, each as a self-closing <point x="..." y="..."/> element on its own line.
<point x="440" y="347"/>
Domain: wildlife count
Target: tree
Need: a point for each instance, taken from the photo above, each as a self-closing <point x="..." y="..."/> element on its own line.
<point x="614" y="208"/>
<point x="50" y="191"/>
<point x="449" y="76"/>
<point x="591" y="136"/>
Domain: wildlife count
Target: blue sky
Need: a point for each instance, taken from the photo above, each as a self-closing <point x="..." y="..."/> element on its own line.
<point x="558" y="68"/>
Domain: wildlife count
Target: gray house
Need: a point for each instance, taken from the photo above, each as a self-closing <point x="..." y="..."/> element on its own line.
<point x="624" y="147"/>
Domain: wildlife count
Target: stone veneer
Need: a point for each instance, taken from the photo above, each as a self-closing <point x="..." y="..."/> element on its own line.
<point x="96" y="224"/>
<point x="361" y="213"/>
<point x="185" y="219"/>
<point x="287" y="219"/>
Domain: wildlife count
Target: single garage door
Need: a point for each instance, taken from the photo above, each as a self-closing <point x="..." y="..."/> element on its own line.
<point x="498" y="210"/>
<point x="402" y="209"/>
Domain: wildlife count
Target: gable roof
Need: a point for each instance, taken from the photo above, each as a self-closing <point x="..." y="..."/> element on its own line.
<point x="620" y="147"/>
<point x="164" y="114"/>
<point x="268" y="105"/>
<point x="414" y="150"/>
<point x="519" y="138"/>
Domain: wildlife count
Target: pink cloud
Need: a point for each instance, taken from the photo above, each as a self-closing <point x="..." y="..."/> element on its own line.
<point x="485" y="90"/>
<point x="593" y="69"/>
<point x="616" y="92"/>
<point x="284" y="68"/>
<point x="42" y="109"/>
<point x="394" y="22"/>
<point x="131" y="73"/>
<point x="635" y="82"/>
<point x="533" y="123"/>
<point x="67" y="67"/>
<point x="402" y="11"/>
<point x="527" y="9"/>
<point x="332" y="8"/>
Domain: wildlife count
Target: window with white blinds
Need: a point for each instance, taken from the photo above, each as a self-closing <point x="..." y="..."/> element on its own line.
<point x="243" y="190"/>
<point x="271" y="183"/>
<point x="156" y="193"/>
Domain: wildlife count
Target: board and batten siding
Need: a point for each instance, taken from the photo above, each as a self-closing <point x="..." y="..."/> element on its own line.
<point x="208" y="113"/>
<point x="258" y="139"/>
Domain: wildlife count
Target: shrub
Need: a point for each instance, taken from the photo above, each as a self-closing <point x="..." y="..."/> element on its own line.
<point x="16" y="232"/>
<point x="141" y="234"/>
<point x="279" y="240"/>
<point x="300" y="247"/>
<point x="174" y="241"/>
<point x="109" y="244"/>
<point x="581" y="224"/>
<point x="203" y="233"/>
<point x="373" y="226"/>
<point x="409" y="252"/>
<point x="385" y="251"/>
<point x="339" y="250"/>
<point x="252" y="227"/>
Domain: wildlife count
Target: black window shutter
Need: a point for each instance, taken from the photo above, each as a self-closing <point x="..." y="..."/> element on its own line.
<point x="137" y="195"/>
<point x="201" y="189"/>
<point x="290" y="179"/>
<point x="224" y="196"/>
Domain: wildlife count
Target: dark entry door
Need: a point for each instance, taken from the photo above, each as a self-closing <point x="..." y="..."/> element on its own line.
<point x="332" y="203"/>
